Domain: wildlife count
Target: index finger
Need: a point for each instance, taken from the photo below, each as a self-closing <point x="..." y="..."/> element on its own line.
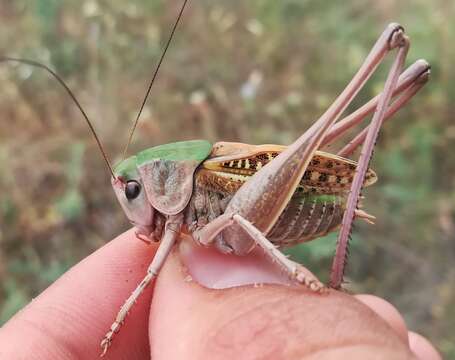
<point x="69" y="319"/>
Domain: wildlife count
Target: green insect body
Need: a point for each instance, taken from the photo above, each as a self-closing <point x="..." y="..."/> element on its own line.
<point x="198" y="180"/>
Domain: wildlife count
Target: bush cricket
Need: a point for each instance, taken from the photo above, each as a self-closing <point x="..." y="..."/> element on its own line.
<point x="236" y="196"/>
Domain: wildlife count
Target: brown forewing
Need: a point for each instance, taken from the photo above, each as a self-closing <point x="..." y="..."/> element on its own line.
<point x="231" y="164"/>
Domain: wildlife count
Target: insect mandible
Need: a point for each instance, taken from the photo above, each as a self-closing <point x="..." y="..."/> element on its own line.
<point x="236" y="196"/>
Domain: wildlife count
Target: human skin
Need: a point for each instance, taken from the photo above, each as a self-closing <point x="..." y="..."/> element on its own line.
<point x="188" y="321"/>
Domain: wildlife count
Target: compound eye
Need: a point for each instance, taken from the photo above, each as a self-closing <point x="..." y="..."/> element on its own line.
<point x="132" y="189"/>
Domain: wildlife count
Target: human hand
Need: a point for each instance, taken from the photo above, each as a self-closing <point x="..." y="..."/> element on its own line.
<point x="188" y="321"/>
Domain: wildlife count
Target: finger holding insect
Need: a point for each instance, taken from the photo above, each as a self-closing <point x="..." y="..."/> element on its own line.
<point x="68" y="320"/>
<point x="268" y="321"/>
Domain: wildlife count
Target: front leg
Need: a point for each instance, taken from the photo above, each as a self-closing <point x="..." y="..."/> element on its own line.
<point x="171" y="232"/>
<point x="296" y="272"/>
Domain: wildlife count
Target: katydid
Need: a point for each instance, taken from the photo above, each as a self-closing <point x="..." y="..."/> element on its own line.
<point x="236" y="196"/>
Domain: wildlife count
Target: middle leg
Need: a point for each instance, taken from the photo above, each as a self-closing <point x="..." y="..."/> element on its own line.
<point x="294" y="270"/>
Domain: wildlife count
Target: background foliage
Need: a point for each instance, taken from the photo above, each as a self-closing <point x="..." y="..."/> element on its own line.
<point x="259" y="72"/>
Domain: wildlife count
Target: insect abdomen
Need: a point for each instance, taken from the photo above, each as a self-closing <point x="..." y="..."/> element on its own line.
<point x="307" y="217"/>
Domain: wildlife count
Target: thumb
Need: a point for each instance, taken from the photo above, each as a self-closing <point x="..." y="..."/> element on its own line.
<point x="189" y="321"/>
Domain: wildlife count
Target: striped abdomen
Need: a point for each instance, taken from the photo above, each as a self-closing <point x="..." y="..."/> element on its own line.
<point x="307" y="217"/>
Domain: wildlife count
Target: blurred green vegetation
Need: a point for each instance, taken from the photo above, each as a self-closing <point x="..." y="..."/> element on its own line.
<point x="259" y="72"/>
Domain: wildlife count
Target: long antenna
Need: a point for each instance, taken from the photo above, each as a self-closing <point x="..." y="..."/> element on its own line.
<point x="133" y="127"/>
<point x="70" y="93"/>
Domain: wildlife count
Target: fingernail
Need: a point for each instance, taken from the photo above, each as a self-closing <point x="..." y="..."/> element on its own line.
<point x="215" y="270"/>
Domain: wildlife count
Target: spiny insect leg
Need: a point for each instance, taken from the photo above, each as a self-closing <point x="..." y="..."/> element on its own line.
<point x="338" y="265"/>
<point x="294" y="270"/>
<point x="206" y="235"/>
<point x="163" y="251"/>
<point x="264" y="196"/>
<point x="416" y="74"/>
